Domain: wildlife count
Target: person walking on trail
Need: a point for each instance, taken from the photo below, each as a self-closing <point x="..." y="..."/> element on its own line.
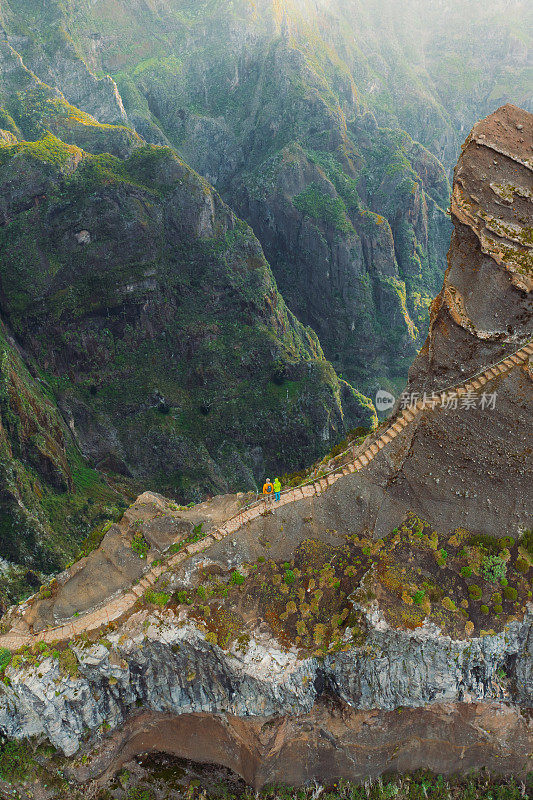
<point x="268" y="489"/>
<point x="277" y="489"/>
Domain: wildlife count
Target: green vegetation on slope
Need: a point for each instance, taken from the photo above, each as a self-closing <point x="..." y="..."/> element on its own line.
<point x="151" y="319"/>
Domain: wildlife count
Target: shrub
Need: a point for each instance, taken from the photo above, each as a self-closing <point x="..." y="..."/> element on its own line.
<point x="504" y="582"/>
<point x="474" y="591"/>
<point x="510" y="593"/>
<point x="419" y="596"/>
<point x="506" y="542"/>
<point x="289" y="577"/>
<point x="490" y="544"/>
<point x="140" y="545"/>
<point x="493" y="568"/>
<point x="236" y="579"/>
<point x="68" y="663"/>
<point x="466" y="572"/>
<point x="498" y="609"/>
<point x="157" y="598"/>
<point x="15" y="760"/>
<point x="496" y="598"/>
<point x="201" y="592"/>
<point x="449" y="604"/>
<point x="522" y="565"/>
<point x="484" y="609"/>
<point x="5" y="657"/>
<point x="526" y="541"/>
<point x="315" y="202"/>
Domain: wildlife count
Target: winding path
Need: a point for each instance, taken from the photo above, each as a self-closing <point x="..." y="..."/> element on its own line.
<point x="115" y="608"/>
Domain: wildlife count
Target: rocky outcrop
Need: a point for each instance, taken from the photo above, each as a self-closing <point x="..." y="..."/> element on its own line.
<point x="485" y="307"/>
<point x="172" y="670"/>
<point x="475" y="453"/>
<point x="63" y="68"/>
<point x="331" y="739"/>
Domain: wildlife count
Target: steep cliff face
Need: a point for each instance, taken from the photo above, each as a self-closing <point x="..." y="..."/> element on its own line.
<point x="237" y="89"/>
<point x="158" y="346"/>
<point x="50" y="499"/>
<point x="173" y="671"/>
<point x="148" y="276"/>
<point x="484" y="308"/>
<point x="483" y="312"/>
<point x="354" y="245"/>
<point x="359" y="248"/>
<point x="351" y="216"/>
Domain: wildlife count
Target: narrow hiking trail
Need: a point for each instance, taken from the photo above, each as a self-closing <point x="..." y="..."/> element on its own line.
<point x="92" y="620"/>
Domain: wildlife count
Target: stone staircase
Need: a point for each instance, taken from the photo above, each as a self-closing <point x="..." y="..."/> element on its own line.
<point x="19" y="636"/>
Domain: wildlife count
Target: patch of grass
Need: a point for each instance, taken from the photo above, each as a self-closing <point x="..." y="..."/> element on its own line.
<point x="156" y="598"/>
<point x="139" y="545"/>
<point x="236" y="578"/>
<point x="68" y="663"/>
<point x="317" y="203"/>
<point x="526" y="541"/>
<point x="15" y="760"/>
<point x="5" y="658"/>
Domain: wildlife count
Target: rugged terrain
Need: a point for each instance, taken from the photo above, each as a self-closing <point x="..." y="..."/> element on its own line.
<point x="329" y="127"/>
<point x="143" y="334"/>
<point x="330" y="130"/>
<point x="379" y="618"/>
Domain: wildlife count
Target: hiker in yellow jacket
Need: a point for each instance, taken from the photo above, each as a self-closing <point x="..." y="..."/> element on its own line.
<point x="277" y="489"/>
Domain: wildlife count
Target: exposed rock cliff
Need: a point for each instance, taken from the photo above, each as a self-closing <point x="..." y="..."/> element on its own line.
<point x="172" y="670"/>
<point x="143" y="332"/>
<point x="357" y="238"/>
